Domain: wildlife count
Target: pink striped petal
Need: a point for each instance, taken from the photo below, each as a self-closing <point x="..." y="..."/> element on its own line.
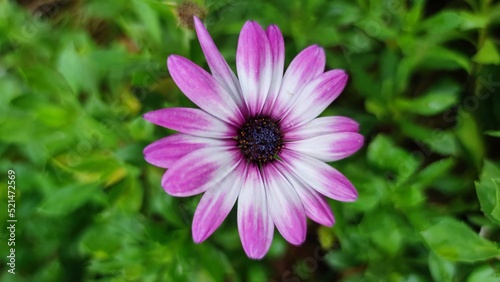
<point x="315" y="98"/>
<point x="218" y="65"/>
<point x="320" y="176"/>
<point x="202" y="88"/>
<point x="191" y="121"/>
<point x="254" y="65"/>
<point x="321" y="126"/>
<point x="199" y="170"/>
<point x="278" y="62"/>
<point x="167" y="151"/>
<point x="286" y="207"/>
<point x="255" y="224"/>
<point x="315" y="204"/>
<point x="305" y="66"/>
<point x="330" y="147"/>
<point x="216" y="204"/>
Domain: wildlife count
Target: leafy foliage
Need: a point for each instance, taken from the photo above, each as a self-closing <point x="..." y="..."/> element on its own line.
<point x="76" y="76"/>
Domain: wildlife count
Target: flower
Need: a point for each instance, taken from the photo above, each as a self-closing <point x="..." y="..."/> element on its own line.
<point x="256" y="138"/>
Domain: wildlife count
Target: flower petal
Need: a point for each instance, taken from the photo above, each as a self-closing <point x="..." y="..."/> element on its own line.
<point x="216" y="204"/>
<point x="199" y="170"/>
<point x="321" y="126"/>
<point x="315" y="98"/>
<point x="167" y="151"/>
<point x="202" y="88"/>
<point x="315" y="205"/>
<point x="254" y="66"/>
<point x="255" y="224"/>
<point x="278" y="64"/>
<point x="330" y="147"/>
<point x="191" y="121"/>
<point x="320" y="176"/>
<point x="218" y="66"/>
<point x="286" y="208"/>
<point x="305" y="66"/>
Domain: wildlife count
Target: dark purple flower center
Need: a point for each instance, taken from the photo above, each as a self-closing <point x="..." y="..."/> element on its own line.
<point x="260" y="139"/>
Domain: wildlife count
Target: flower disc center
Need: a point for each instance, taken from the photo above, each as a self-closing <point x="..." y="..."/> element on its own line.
<point x="260" y="139"/>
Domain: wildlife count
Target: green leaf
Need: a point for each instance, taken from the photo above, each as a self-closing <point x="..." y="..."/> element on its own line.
<point x="383" y="230"/>
<point x="414" y="15"/>
<point x="383" y="153"/>
<point x="443" y="58"/>
<point x="140" y="129"/>
<point x="443" y="22"/>
<point x="470" y="138"/>
<point x="485" y="273"/>
<point x="496" y="211"/>
<point x="455" y="241"/>
<point x="66" y="199"/>
<point x="127" y="194"/>
<point x="493" y="133"/>
<point x="77" y="69"/>
<point x="441" y="269"/>
<point x="17" y="127"/>
<point x="150" y="18"/>
<point x="488" y="54"/>
<point x="439" y="98"/>
<point x="428" y="175"/>
<point x="473" y="21"/>
<point x="488" y="191"/>
<point x="440" y="141"/>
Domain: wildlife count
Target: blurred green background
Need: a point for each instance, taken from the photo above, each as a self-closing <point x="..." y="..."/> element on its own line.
<point x="76" y="76"/>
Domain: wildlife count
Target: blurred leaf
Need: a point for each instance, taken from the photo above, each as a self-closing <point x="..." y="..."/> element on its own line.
<point x="77" y="70"/>
<point x="430" y="140"/>
<point x="54" y="116"/>
<point x="128" y="194"/>
<point x="496" y="211"/>
<point x="488" y="54"/>
<point x="493" y="133"/>
<point x="68" y="198"/>
<point x="441" y="269"/>
<point x="342" y="13"/>
<point x="405" y="69"/>
<point x="485" y="273"/>
<point x="257" y="274"/>
<point x="384" y="230"/>
<point x="473" y="20"/>
<point x="442" y="23"/>
<point x="140" y="129"/>
<point x="428" y="175"/>
<point x="92" y="167"/>
<point x="373" y="191"/>
<point x="443" y="58"/>
<point x="455" y="241"/>
<point x="100" y="240"/>
<point x="383" y="153"/>
<point x="16" y="127"/>
<point x="414" y="15"/>
<point x="470" y="137"/>
<point x="10" y="90"/>
<point x="488" y="191"/>
<point x="326" y="237"/>
<point x="216" y="260"/>
<point x="48" y="81"/>
<point x="439" y="98"/>
<point x="149" y="17"/>
<point x="104" y="9"/>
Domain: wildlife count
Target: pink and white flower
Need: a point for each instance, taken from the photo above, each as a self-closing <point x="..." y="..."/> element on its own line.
<point x="256" y="138"/>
